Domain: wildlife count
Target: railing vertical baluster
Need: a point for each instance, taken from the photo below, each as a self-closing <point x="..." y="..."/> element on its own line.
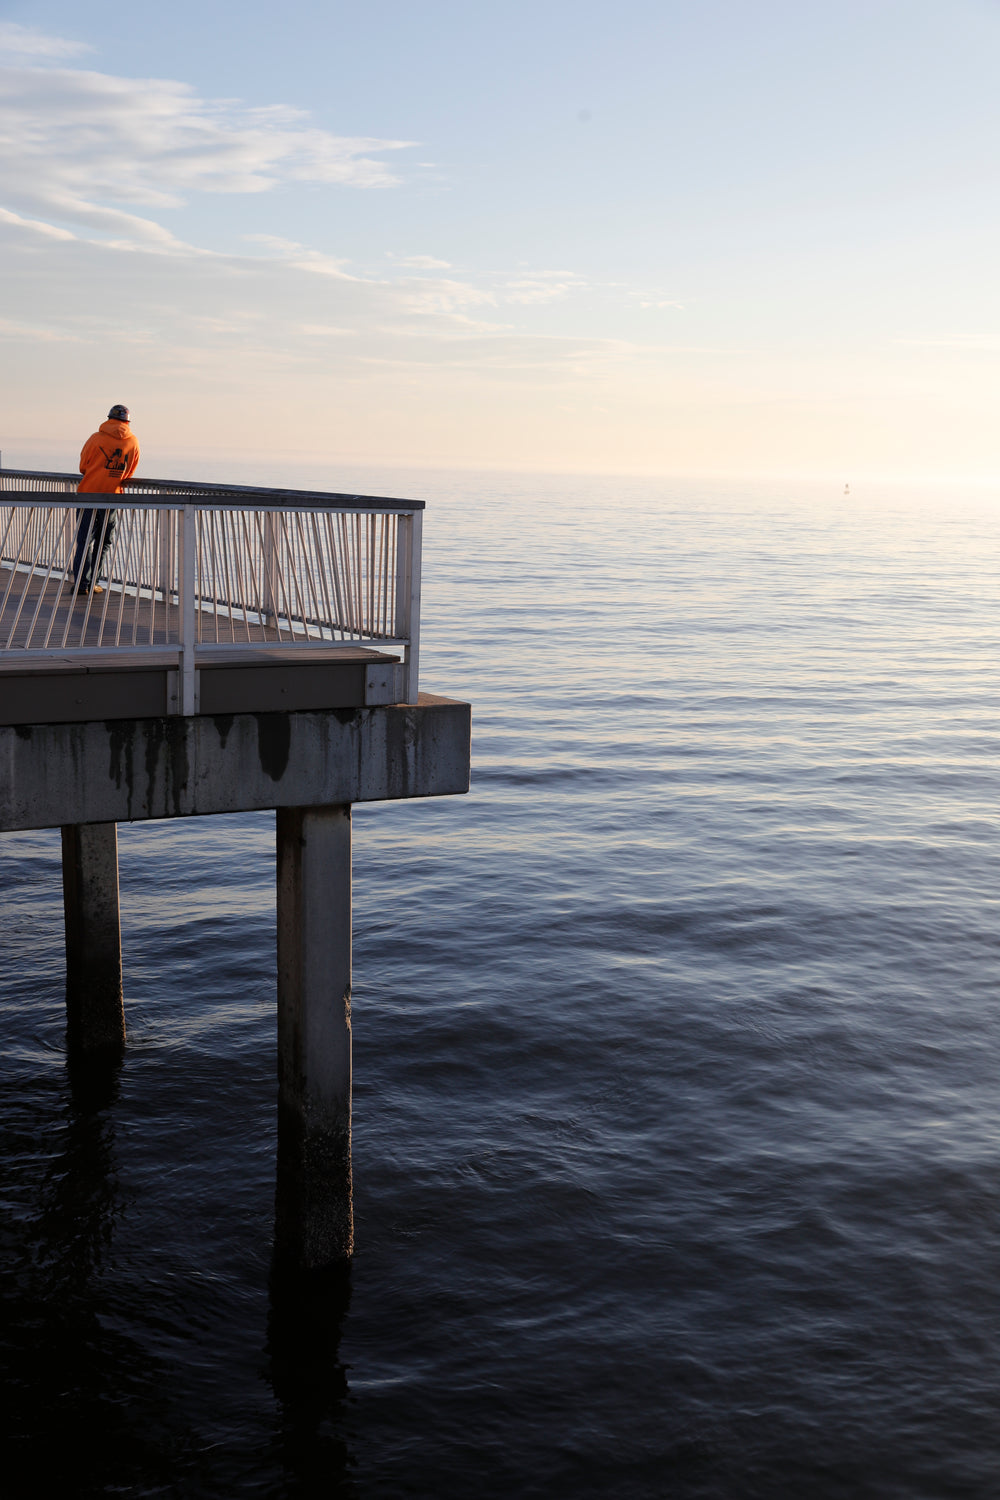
<point x="384" y="590"/>
<point x="109" y="571"/>
<point x="6" y="530"/>
<point x="338" y="616"/>
<point x="75" y="595"/>
<point x="166" y="565"/>
<point x="62" y="590"/>
<point x="237" y="557"/>
<point x="266" y="533"/>
<point x="202" y="580"/>
<point x="49" y="520"/>
<point x="303" y="596"/>
<point x="18" y="559"/>
<point x="345" y="553"/>
<point x="209" y="560"/>
<point x="321" y="570"/>
<point x="223" y="568"/>
<point x="285" y="605"/>
<point x="254" y="534"/>
<point x="130" y="567"/>
<point x="374" y="584"/>
<point x="359" y="589"/>
<point x="370" y="562"/>
<point x="164" y="531"/>
<point x="142" y="523"/>
<point x="155" y="540"/>
<point x="126" y="528"/>
<point x="393" y="565"/>
<point x="270" y="600"/>
<point x="176" y="527"/>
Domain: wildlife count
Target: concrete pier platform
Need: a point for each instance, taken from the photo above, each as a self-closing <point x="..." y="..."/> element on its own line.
<point x="86" y="777"/>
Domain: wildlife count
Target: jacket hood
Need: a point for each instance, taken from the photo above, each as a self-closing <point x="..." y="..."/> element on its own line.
<point x="115" y="429"/>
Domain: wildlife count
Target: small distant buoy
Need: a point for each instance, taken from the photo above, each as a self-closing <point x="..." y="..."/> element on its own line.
<point x="847" y="489"/>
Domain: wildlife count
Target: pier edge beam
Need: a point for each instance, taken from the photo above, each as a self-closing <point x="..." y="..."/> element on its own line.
<point x="95" y="1011"/>
<point x="315" y="1222"/>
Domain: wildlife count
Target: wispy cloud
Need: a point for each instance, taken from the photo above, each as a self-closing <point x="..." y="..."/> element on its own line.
<point x="301" y="256"/>
<point x="85" y="149"/>
<point x="18" y="329"/>
<point x="25" y="41"/>
<point x="421" y="262"/>
<point x="326" y="331"/>
<point x="542" y="286"/>
<point x="435" y="295"/>
<point x="35" y="226"/>
<point x="515" y="354"/>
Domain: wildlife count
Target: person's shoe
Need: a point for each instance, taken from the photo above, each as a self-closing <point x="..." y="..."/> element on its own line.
<point x="98" y="588"/>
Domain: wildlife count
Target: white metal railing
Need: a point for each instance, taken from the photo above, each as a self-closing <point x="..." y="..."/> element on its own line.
<point x="189" y="565"/>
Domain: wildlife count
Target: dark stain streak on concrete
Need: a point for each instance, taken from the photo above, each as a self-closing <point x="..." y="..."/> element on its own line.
<point x="152" y="758"/>
<point x="223" y="723"/>
<point x="163" y="739"/>
<point x="121" y="742"/>
<point x="274" y="739"/>
<point x="360" y="739"/>
<point x="169" y="736"/>
<point x="177" y="732"/>
<point x="399" y="739"/>
<point x="23" y="731"/>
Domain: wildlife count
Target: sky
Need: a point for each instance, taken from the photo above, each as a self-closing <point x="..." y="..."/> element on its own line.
<point x="718" y="237"/>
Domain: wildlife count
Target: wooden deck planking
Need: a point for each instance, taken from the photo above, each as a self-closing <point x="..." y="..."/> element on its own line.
<point x="42" y="612"/>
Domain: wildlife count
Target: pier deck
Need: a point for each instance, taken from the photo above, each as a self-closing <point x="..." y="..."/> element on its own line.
<point x="129" y="682"/>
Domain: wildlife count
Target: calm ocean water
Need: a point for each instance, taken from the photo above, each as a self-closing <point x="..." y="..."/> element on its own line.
<point x="677" y="1099"/>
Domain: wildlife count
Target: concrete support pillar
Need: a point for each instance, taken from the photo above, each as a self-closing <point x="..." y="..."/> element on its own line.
<point x="95" y="1012"/>
<point x="314" y="1211"/>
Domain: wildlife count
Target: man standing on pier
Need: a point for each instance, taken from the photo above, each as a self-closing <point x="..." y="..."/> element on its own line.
<point x="109" y="457"/>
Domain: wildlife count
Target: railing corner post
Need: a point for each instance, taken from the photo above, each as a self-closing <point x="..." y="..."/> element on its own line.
<point x="187" y="602"/>
<point x="408" y="599"/>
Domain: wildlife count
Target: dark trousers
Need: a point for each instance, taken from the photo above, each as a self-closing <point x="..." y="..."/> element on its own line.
<point x="94" y="531"/>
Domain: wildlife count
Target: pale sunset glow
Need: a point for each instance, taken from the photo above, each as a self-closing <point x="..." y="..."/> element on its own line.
<point x="728" y="238"/>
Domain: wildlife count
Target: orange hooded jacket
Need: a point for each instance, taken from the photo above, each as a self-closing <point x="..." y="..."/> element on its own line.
<point x="109" y="457"/>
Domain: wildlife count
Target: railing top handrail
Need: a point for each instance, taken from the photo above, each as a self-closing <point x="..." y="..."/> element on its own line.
<point x="257" y="497"/>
